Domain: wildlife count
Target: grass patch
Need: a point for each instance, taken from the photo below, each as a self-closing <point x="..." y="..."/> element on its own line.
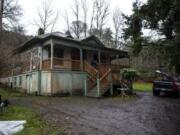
<point x="9" y="93"/>
<point x="35" y="124"/>
<point x="145" y="87"/>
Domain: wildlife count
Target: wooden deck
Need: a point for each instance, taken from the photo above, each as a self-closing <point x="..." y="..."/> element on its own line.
<point x="63" y="64"/>
<point x="75" y="65"/>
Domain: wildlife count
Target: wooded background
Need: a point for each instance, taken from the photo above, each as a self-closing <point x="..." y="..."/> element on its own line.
<point x="157" y="48"/>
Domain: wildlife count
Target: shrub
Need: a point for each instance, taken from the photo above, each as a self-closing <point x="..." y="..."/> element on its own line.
<point x="129" y="74"/>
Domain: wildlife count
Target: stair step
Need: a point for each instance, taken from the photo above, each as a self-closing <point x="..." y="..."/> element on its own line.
<point x="93" y="96"/>
<point x="93" y="93"/>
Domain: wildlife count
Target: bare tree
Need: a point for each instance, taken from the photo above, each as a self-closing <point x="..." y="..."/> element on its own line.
<point x="66" y="19"/>
<point x="118" y="24"/>
<point x="47" y="16"/>
<point x="101" y="13"/>
<point x="92" y="18"/>
<point x="76" y="12"/>
<point x="1" y="16"/>
<point x="85" y="12"/>
<point x="77" y="28"/>
<point x="10" y="12"/>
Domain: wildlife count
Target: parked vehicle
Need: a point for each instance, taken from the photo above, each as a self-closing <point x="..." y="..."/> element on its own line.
<point x="167" y="84"/>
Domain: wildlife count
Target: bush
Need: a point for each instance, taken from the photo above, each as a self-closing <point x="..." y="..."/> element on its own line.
<point x="129" y="74"/>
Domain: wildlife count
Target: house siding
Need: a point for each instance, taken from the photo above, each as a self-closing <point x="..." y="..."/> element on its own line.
<point x="68" y="82"/>
<point x="45" y="83"/>
<point x="48" y="82"/>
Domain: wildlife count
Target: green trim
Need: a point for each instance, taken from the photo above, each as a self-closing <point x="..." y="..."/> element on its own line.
<point x="98" y="87"/>
<point x="85" y="89"/>
<point x="81" y="59"/>
<point x="39" y="82"/>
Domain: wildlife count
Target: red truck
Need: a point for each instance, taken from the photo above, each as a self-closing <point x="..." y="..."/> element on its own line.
<point x="168" y="84"/>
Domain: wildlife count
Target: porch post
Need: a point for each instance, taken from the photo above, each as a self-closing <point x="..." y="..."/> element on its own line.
<point x="52" y="63"/>
<point x="81" y="59"/>
<point x="111" y="84"/>
<point x="52" y="54"/>
<point x="99" y="57"/>
<point x="85" y="87"/>
<point x="40" y="67"/>
<point x="98" y="87"/>
<point x="40" y="55"/>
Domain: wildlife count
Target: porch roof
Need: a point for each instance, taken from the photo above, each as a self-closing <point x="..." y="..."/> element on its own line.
<point x="91" y="42"/>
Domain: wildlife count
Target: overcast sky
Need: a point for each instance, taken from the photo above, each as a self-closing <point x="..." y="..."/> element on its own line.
<point x="30" y="12"/>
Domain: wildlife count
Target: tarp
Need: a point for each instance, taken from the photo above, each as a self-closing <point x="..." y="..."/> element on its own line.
<point x="11" y="127"/>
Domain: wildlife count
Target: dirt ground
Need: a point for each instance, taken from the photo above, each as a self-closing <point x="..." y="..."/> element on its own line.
<point x="145" y="115"/>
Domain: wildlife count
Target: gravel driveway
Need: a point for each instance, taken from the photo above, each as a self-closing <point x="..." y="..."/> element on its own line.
<point x="146" y="115"/>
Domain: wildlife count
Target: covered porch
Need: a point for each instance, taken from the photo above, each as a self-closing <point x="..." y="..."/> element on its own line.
<point x="59" y="57"/>
<point x="95" y="62"/>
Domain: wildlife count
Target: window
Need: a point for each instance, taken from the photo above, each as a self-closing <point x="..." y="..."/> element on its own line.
<point x="85" y="54"/>
<point x="20" y="80"/>
<point x="58" y="53"/>
<point x="103" y="58"/>
<point x="8" y="80"/>
<point x="15" y="81"/>
<point x="75" y="54"/>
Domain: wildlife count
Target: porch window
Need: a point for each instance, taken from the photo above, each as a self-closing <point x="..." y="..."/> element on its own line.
<point x="58" y="57"/>
<point x="58" y="53"/>
<point x="84" y="54"/>
<point x="75" y="54"/>
<point x="103" y="58"/>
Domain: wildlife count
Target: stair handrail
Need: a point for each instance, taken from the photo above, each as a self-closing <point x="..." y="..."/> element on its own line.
<point x="104" y="80"/>
<point x="107" y="73"/>
<point x="91" y="67"/>
<point x="94" y="76"/>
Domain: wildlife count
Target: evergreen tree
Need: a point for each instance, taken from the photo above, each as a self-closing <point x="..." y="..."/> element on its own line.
<point x="176" y="58"/>
<point x="162" y="16"/>
<point x="107" y="37"/>
<point x="133" y="31"/>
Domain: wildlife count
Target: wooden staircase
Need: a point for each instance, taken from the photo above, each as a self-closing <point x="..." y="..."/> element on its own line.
<point x="99" y="80"/>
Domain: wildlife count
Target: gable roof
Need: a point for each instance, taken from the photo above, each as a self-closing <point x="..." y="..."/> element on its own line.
<point x="58" y="34"/>
<point x="93" y="40"/>
<point x="41" y="38"/>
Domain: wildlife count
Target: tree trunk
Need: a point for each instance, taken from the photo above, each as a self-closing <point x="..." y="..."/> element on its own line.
<point x="177" y="35"/>
<point x="1" y="18"/>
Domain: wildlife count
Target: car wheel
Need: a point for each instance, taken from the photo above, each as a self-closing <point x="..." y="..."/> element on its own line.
<point x="156" y="93"/>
